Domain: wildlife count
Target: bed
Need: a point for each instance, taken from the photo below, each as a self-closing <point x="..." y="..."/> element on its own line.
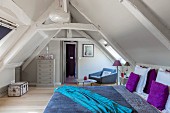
<point x="62" y="104"/>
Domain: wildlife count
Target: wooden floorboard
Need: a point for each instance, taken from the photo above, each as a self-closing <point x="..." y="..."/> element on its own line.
<point x="34" y="101"/>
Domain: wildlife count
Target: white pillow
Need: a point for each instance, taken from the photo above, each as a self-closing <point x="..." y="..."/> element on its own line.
<point x="143" y="77"/>
<point x="105" y="73"/>
<point x="167" y="106"/>
<point x="163" y="77"/>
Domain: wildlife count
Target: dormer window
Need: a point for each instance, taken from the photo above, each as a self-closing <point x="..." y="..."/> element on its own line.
<point x="6" y="27"/>
<point x="4" y="31"/>
<point x="112" y="51"/>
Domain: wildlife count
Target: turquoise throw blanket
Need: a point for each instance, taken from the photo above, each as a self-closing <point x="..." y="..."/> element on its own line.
<point x="92" y="101"/>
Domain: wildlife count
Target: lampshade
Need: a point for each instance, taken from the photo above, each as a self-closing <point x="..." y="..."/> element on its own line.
<point x="127" y="64"/>
<point x="117" y="63"/>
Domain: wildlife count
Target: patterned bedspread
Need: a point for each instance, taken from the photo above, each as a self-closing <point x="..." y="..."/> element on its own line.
<point x="62" y="104"/>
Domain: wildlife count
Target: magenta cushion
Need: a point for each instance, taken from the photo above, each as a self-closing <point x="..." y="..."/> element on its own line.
<point x="158" y="95"/>
<point x="151" y="76"/>
<point x="132" y="82"/>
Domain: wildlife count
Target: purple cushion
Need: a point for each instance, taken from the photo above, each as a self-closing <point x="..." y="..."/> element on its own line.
<point x="132" y="82"/>
<point x="151" y="76"/>
<point x="158" y="95"/>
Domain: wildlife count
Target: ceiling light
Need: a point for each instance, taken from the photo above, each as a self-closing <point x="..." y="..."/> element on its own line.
<point x="59" y="16"/>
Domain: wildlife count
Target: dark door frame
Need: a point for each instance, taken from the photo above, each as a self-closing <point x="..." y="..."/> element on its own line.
<point x="64" y="59"/>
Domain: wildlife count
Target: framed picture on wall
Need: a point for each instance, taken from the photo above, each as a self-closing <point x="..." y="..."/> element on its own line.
<point x="88" y="50"/>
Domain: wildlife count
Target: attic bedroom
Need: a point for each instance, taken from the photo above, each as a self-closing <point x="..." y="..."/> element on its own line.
<point x="84" y="56"/>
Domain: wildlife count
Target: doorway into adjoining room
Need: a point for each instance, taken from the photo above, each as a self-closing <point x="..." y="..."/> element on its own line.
<point x="70" y="62"/>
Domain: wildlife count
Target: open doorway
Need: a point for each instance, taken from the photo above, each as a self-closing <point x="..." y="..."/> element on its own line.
<point x="70" y="62"/>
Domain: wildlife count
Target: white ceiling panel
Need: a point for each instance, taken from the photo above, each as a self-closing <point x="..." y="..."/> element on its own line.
<point x="34" y="8"/>
<point x="161" y="9"/>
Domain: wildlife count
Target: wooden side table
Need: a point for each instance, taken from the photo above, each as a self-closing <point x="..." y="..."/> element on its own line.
<point x="123" y="80"/>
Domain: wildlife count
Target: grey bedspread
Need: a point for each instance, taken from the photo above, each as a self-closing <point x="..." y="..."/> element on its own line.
<point x="62" y="104"/>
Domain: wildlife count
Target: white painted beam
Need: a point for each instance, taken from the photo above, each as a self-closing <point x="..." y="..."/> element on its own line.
<point x="98" y="45"/>
<point x="43" y="34"/>
<point x="112" y="42"/>
<point x="69" y="33"/>
<point x="69" y="39"/>
<point x="25" y="38"/>
<point x="149" y="20"/>
<point x="74" y="4"/>
<point x="15" y="50"/>
<point x="9" y="17"/>
<point x="74" y="26"/>
<point x="20" y="14"/>
<point x="39" y="49"/>
<point x="10" y="40"/>
<point x="65" y="5"/>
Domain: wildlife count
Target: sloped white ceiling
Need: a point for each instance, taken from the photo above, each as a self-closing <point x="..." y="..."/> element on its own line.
<point x="28" y="49"/>
<point x="126" y="30"/>
<point x="161" y="9"/>
<point x="8" y="11"/>
<point x="34" y="8"/>
<point x="75" y="13"/>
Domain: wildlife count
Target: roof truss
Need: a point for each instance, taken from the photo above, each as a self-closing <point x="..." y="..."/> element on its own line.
<point x="31" y="31"/>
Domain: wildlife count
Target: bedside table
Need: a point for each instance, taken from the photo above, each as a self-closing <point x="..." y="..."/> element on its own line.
<point x="123" y="80"/>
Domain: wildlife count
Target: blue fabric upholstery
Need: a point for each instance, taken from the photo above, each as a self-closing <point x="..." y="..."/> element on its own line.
<point x="104" y="79"/>
<point x="111" y="70"/>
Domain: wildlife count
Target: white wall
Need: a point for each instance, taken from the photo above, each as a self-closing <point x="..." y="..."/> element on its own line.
<point x="89" y="65"/>
<point x="30" y="72"/>
<point x="86" y="65"/>
<point x="6" y="76"/>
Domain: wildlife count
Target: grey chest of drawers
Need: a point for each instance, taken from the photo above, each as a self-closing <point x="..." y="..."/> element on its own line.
<point x="45" y="72"/>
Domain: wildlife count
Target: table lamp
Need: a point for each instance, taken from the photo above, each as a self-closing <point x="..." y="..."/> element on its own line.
<point x="117" y="63"/>
<point x="127" y="64"/>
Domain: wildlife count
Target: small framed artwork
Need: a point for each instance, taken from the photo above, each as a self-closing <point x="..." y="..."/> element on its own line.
<point x="88" y="50"/>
